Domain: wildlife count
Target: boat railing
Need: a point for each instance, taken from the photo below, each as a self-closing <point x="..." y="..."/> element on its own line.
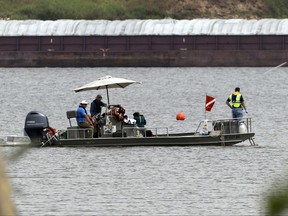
<point x="79" y="133"/>
<point x="160" y="131"/>
<point x="134" y="131"/>
<point x="142" y="132"/>
<point x="225" y="126"/>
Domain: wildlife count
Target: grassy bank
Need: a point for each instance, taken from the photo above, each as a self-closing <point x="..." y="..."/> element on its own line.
<point x="138" y="9"/>
<point x="277" y="8"/>
<point x="83" y="9"/>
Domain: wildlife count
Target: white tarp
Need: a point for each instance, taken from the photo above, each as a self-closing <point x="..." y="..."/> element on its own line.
<point x="144" y="27"/>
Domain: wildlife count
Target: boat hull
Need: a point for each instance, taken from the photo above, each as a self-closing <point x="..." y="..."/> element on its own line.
<point x="188" y="140"/>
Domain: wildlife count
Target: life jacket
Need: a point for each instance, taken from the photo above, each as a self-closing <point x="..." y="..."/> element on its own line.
<point x="236" y="99"/>
<point x="51" y="131"/>
<point x="140" y="120"/>
<point x="118" y="113"/>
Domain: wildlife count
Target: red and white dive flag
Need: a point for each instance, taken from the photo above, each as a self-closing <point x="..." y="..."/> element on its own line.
<point x="210" y="101"/>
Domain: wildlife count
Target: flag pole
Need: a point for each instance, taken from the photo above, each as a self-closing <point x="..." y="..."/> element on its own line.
<point x="205" y="106"/>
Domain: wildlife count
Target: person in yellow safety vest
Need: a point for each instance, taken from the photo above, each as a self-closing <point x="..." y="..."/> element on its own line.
<point x="236" y="102"/>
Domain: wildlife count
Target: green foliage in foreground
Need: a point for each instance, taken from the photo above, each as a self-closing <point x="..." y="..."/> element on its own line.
<point x="115" y="9"/>
<point x="6" y="204"/>
<point x="277" y="200"/>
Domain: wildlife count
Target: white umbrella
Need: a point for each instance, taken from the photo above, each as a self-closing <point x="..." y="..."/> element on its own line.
<point x="105" y="83"/>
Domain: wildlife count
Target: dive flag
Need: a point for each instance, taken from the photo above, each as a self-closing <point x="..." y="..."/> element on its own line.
<point x="210" y="101"/>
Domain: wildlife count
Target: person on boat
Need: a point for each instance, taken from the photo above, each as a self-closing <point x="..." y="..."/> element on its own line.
<point x="236" y="102"/>
<point x="140" y="119"/>
<point x="128" y="120"/>
<point x="84" y="120"/>
<point x="140" y="122"/>
<point x="96" y="106"/>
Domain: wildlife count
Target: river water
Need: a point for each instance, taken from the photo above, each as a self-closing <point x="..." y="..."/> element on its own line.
<point x="147" y="180"/>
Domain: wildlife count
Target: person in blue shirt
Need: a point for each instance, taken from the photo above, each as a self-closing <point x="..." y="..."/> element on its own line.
<point x="96" y="106"/>
<point x="83" y="119"/>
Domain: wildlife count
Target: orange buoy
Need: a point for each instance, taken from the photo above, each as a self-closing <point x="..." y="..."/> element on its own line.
<point x="180" y="116"/>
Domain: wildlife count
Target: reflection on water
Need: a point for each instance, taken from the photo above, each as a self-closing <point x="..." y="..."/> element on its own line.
<point x="147" y="180"/>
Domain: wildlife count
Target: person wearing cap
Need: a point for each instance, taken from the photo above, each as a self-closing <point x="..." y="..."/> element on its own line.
<point x="84" y="120"/>
<point x="96" y="106"/>
<point x="236" y="102"/>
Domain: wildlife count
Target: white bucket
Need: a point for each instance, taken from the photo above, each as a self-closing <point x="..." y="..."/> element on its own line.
<point x="242" y="128"/>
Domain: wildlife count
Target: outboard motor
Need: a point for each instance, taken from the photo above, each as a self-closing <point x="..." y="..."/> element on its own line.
<point x="35" y="123"/>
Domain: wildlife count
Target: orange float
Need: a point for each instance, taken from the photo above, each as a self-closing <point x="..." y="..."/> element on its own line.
<point x="180" y="116"/>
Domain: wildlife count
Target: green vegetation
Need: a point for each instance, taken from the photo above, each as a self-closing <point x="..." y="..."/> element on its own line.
<point x="6" y="204"/>
<point x="139" y="9"/>
<point x="277" y="199"/>
<point x="277" y="8"/>
<point x="83" y="9"/>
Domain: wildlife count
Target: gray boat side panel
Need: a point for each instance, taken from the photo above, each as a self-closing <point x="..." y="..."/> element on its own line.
<point x="159" y="141"/>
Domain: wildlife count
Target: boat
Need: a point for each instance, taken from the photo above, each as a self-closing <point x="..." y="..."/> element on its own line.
<point x="222" y="132"/>
<point x="15" y="141"/>
<point x="114" y="131"/>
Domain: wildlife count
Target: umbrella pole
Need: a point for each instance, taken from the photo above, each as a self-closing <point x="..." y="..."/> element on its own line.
<point x="107" y="95"/>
